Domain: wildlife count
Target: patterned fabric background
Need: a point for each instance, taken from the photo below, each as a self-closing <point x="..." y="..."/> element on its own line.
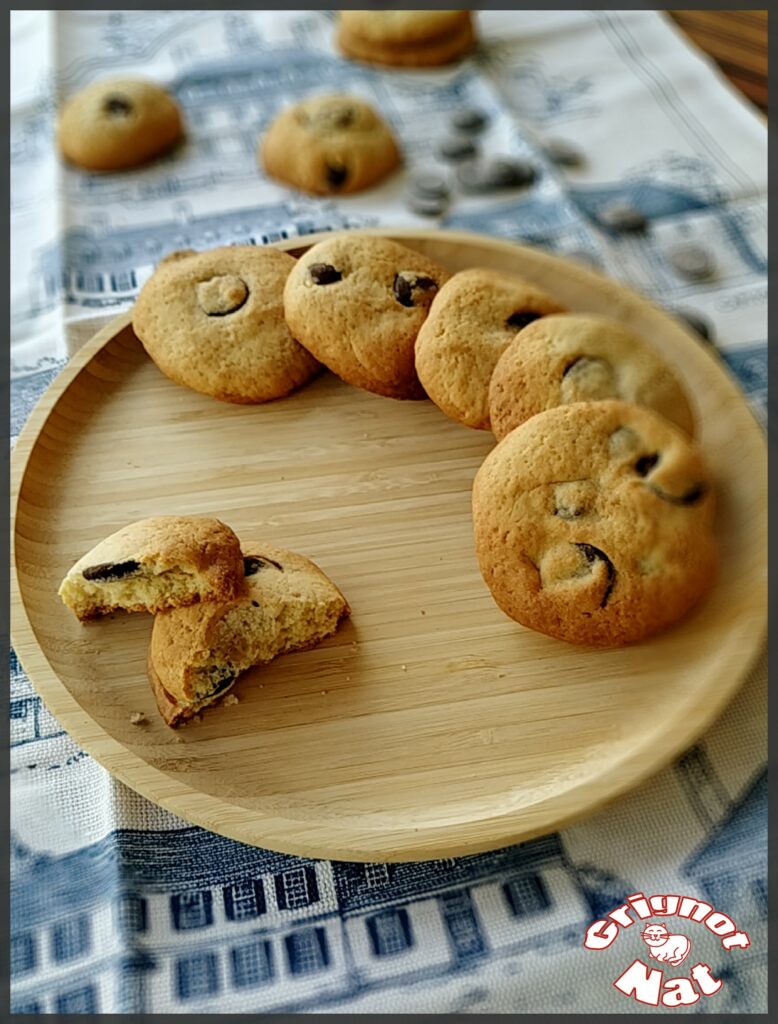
<point x="119" y="907"/>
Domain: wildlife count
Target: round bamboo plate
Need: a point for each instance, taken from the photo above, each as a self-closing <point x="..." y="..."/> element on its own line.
<point x="430" y="725"/>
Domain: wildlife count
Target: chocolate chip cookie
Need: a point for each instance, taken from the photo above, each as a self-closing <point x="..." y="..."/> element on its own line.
<point x="196" y="654"/>
<point x="357" y="302"/>
<point x="214" y="321"/>
<point x="564" y="359"/>
<point x="405" y="38"/>
<point x="162" y="562"/>
<point x="594" y="523"/>
<point x="329" y="145"/>
<point x="118" y="123"/>
<point x="472" y="320"/>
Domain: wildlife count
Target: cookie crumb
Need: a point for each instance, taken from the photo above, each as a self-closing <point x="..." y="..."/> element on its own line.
<point x="324" y="693"/>
<point x="196" y="718"/>
<point x="230" y="699"/>
<point x="348" y="679"/>
<point x="404" y="668"/>
<point x="138" y="718"/>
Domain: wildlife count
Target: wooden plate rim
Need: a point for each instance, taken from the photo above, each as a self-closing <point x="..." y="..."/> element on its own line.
<point x="356" y="842"/>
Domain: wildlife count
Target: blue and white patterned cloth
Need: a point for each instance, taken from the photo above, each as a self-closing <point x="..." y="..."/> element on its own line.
<point x="119" y="907"/>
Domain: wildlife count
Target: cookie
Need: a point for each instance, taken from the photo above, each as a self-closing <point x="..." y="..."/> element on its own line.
<point x="431" y="52"/>
<point x="329" y="145"/>
<point x="357" y="303"/>
<point x="594" y="523"/>
<point x="403" y="28"/>
<point x="214" y="321"/>
<point x="564" y="359"/>
<point x="196" y="654"/>
<point x="472" y="320"/>
<point x="118" y="123"/>
<point x="162" y="562"/>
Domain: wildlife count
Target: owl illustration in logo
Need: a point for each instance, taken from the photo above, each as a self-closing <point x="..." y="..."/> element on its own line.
<point x="671" y="949"/>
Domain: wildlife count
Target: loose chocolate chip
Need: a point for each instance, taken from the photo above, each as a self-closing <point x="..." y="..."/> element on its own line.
<point x="117" y="106"/>
<point x="623" y="217"/>
<point x="697" y="323"/>
<point x="324" y="273"/>
<point x="646" y="463"/>
<point x="404" y="286"/>
<point x="592" y="555"/>
<point x="691" y="261"/>
<point x="427" y="206"/>
<point x="470" y="120"/>
<point x="691" y="497"/>
<point x="336" y="176"/>
<point x="430" y="186"/>
<point x="521" y="318"/>
<point x="457" y="147"/>
<point x="562" y="153"/>
<point x="106" y="572"/>
<point x="495" y="174"/>
<point x="253" y="563"/>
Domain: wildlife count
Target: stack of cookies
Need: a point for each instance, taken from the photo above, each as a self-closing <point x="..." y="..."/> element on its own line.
<point x="220" y="606"/>
<point x="405" y="38"/>
<point x="593" y="515"/>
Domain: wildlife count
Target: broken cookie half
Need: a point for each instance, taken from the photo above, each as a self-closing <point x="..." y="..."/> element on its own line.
<point x="197" y="653"/>
<point x="155" y="564"/>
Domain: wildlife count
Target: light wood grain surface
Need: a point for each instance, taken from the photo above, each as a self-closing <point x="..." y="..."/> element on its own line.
<point x="430" y="725"/>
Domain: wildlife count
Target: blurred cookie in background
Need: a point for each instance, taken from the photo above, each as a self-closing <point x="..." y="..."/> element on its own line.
<point x="329" y="145"/>
<point x="405" y="38"/>
<point x="118" y="123"/>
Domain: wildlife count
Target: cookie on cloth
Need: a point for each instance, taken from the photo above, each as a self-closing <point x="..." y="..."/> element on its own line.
<point x="118" y="123"/>
<point x="472" y="320"/>
<point x="156" y="563"/>
<point x="594" y="523"/>
<point x="564" y="359"/>
<point x="329" y="145"/>
<point x="214" y="321"/>
<point x="405" y="38"/>
<point x="196" y="654"/>
<point x="357" y="302"/>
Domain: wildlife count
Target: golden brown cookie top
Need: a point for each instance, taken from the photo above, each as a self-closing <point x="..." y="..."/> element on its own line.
<point x="357" y="303"/>
<point x="473" y="319"/>
<point x="214" y="321"/>
<point x="571" y="358"/>
<point x="594" y="522"/>
<point x="398" y="27"/>
<point x="329" y="144"/>
<point x="118" y="123"/>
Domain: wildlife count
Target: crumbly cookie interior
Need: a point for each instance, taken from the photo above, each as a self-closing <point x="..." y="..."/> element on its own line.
<point x="144" y="590"/>
<point x="251" y="634"/>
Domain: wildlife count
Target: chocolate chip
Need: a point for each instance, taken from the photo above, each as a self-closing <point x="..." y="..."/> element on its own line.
<point x="405" y="284"/>
<point x="253" y="563"/>
<point x="691" y="261"/>
<point x="223" y="683"/>
<point x="495" y="174"/>
<point x="106" y="572"/>
<point x="324" y="273"/>
<point x="521" y="318"/>
<point x="691" y="497"/>
<point x="457" y="147"/>
<point x="646" y="463"/>
<point x="336" y="176"/>
<point x="624" y="217"/>
<point x="117" y="106"/>
<point x="697" y="323"/>
<point x="430" y="186"/>
<point x="592" y="555"/>
<point x="470" y="120"/>
<point x="562" y="153"/>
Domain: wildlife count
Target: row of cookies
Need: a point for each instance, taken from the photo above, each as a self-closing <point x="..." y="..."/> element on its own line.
<point x="626" y="515"/>
<point x="220" y="606"/>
